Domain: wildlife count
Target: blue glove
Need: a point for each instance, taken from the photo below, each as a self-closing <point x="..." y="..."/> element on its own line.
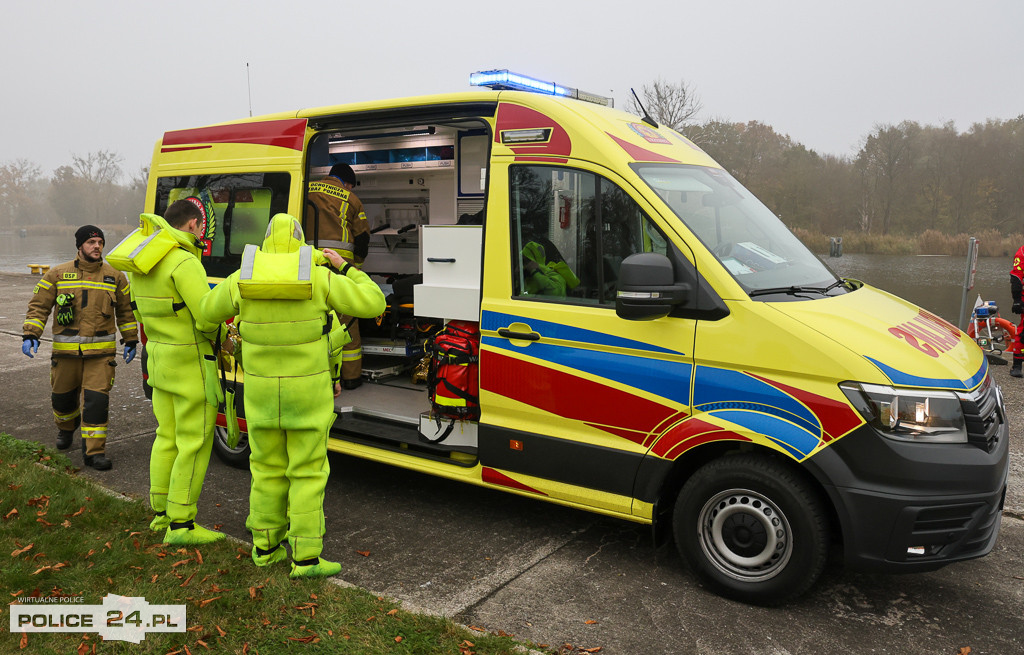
<point x="29" y="345"/>
<point x="129" y="351"/>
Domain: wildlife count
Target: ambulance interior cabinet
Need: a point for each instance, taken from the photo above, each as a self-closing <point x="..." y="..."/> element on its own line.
<point x="450" y="257"/>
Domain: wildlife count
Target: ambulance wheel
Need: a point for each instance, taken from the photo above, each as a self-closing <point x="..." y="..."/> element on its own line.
<point x="751" y="529"/>
<point x="237" y="456"/>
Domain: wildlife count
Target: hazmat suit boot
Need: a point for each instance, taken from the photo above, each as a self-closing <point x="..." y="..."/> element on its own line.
<point x="262" y="557"/>
<point x="315" y="568"/>
<point x="64" y="438"/>
<point x="1015" y="371"/>
<point x="190" y="534"/>
<point x="160" y="522"/>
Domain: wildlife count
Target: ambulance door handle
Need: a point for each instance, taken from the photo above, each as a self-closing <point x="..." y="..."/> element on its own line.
<point x="524" y="336"/>
<point x="441" y="260"/>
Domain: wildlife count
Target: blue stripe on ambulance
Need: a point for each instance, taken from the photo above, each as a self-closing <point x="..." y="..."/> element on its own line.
<point x="494" y="320"/>
<point x="795" y="440"/>
<point x="716" y="388"/>
<point x="906" y="379"/>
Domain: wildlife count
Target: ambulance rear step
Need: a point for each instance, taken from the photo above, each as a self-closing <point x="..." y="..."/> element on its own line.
<point x="396" y="433"/>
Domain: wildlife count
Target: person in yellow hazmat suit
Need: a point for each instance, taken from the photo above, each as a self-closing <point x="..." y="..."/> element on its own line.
<point x="283" y="300"/>
<point x="165" y="299"/>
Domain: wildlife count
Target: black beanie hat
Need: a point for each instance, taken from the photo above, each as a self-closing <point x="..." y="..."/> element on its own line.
<point x="87" y="232"/>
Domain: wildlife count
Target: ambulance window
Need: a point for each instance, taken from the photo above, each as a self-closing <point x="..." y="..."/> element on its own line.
<point x="571" y="231"/>
<point x="241" y="203"/>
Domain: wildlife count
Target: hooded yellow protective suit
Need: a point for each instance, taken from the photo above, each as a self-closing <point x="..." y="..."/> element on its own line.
<point x="282" y="301"/>
<point x="165" y="299"/>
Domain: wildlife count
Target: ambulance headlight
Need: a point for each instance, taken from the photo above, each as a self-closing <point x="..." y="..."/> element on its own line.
<point x="919" y="415"/>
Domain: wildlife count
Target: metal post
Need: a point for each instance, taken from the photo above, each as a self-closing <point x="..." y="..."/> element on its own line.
<point x="972" y="267"/>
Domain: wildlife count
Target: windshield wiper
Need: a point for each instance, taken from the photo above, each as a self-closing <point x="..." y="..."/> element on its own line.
<point x="796" y="290"/>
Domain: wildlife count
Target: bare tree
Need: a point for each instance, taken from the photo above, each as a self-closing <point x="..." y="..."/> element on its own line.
<point x="16" y="180"/>
<point x="670" y="104"/>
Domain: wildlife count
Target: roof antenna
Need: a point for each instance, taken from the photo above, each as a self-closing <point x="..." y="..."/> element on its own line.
<point x="248" y="83"/>
<point x="647" y="117"/>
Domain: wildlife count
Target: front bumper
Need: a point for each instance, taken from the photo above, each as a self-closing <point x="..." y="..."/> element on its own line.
<point x="906" y="507"/>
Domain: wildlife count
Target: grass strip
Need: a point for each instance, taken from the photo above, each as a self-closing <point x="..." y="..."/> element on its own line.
<point x="61" y="535"/>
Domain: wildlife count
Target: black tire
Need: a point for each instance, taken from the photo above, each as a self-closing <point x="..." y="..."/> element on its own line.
<point x="238" y="456"/>
<point x="752" y="529"/>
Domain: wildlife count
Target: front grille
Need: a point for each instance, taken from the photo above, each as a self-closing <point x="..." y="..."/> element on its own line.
<point x="983" y="413"/>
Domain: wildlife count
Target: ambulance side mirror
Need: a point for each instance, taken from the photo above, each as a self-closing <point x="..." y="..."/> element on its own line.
<point x="647" y="288"/>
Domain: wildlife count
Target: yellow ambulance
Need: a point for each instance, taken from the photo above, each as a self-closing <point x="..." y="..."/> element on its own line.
<point x="655" y="345"/>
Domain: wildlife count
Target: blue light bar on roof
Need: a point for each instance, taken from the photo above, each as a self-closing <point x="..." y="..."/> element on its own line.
<point x="507" y="80"/>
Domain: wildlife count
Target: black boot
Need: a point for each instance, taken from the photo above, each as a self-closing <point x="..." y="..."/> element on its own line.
<point x="64" y="439"/>
<point x="98" y="462"/>
<point x="1015" y="371"/>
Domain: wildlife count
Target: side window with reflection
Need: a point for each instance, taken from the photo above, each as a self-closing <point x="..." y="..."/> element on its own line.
<point x="242" y="206"/>
<point x="571" y="229"/>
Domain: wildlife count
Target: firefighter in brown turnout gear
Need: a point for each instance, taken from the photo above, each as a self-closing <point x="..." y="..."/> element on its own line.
<point x="89" y="301"/>
<point x="335" y="219"/>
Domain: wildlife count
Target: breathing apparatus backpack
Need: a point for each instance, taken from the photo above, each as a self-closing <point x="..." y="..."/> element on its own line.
<point x="452" y="382"/>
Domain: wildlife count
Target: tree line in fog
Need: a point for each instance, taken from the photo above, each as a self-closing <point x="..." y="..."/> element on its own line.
<point x="93" y="188"/>
<point x="905" y="180"/>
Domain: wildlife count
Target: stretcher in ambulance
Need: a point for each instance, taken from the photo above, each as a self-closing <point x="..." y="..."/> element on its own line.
<point x="654" y="344"/>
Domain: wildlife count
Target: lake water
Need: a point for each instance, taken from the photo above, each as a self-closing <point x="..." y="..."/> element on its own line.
<point x="934" y="283"/>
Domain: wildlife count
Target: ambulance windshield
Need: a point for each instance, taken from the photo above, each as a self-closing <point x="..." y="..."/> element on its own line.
<point x="755" y="247"/>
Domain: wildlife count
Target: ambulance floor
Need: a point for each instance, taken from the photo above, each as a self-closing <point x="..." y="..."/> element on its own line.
<point x="392" y="397"/>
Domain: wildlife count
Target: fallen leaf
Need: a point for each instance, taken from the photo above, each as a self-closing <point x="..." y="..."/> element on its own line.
<point x="187" y="580"/>
<point x="398" y="639"/>
<point x="473" y="627"/>
<point x="245" y="648"/>
<point x="44" y="522"/>
<point x="14" y="487"/>
<point x="304" y="640"/>
<point x="66" y="523"/>
<point x="22" y="550"/>
<point x="204" y="603"/>
<point x="199" y="556"/>
<point x="591" y="650"/>
<point x="502" y="633"/>
<point x="13" y="512"/>
<point x="590" y="622"/>
<point x="187" y="651"/>
<point x="40" y="501"/>
<point x="202" y="643"/>
<point x="180" y="562"/>
<point x="312" y="596"/>
<point x="222" y="633"/>
<point x="90" y="553"/>
<point x="43" y="568"/>
<point x="80" y="511"/>
<point x="153" y="579"/>
<point x="83" y="648"/>
<point x="196" y="628"/>
<point x="966" y="650"/>
<point x="17" y="593"/>
<point x="24" y="640"/>
<point x="364" y="553"/>
<point x="393" y="612"/>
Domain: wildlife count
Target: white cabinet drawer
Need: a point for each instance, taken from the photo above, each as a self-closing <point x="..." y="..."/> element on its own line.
<point x="451" y="254"/>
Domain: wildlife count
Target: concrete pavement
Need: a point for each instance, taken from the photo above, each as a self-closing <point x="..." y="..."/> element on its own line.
<point x="543" y="572"/>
